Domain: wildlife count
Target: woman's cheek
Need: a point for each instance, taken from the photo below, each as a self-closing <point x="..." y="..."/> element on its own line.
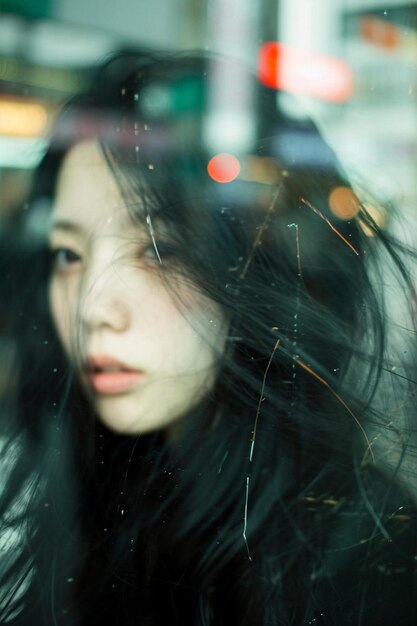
<point x="61" y="307"/>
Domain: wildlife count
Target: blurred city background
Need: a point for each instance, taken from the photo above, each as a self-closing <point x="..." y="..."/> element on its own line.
<point x="351" y="63"/>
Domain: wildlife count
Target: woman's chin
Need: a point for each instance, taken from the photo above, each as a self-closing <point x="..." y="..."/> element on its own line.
<point x="125" y="416"/>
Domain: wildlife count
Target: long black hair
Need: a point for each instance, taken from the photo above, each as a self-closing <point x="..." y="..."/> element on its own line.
<point x="241" y="521"/>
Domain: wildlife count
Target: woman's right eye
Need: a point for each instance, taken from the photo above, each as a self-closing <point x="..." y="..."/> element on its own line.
<point x="65" y="259"/>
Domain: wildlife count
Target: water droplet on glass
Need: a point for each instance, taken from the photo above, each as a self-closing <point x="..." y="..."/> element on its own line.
<point x="232" y="289"/>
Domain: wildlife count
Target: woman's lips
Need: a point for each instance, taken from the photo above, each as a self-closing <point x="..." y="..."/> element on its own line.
<point x="108" y="376"/>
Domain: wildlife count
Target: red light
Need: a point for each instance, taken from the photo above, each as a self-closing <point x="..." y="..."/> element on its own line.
<point x="298" y="71"/>
<point x="223" y="167"/>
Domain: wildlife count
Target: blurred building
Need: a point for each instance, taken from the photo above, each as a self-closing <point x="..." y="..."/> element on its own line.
<point x="351" y="64"/>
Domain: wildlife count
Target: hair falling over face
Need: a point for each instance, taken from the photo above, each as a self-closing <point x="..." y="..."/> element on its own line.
<point x="211" y="419"/>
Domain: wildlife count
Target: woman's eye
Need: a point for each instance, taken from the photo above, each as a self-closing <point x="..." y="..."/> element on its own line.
<point x="65" y="258"/>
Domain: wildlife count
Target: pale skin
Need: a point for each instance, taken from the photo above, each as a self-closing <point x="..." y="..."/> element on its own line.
<point x="108" y="298"/>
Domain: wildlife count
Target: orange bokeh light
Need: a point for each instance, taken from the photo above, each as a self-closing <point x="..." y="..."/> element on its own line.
<point x="344" y="203"/>
<point x="22" y="119"/>
<point x="223" y="167"/>
<point x="380" y="32"/>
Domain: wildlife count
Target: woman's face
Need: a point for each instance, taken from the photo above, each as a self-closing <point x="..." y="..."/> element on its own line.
<point x="147" y="353"/>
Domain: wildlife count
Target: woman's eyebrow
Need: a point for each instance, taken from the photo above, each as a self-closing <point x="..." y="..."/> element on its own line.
<point x="67" y="226"/>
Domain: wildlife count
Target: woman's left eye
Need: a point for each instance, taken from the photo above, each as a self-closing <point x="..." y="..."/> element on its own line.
<point x="65" y="258"/>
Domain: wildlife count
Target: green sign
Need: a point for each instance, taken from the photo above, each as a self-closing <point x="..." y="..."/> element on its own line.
<point x="31" y="9"/>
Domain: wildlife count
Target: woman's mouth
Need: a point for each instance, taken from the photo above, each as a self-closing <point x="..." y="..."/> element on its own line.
<point x="108" y="376"/>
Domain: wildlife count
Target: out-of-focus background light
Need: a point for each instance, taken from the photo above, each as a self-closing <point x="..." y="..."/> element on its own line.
<point x="223" y="168"/>
<point x="263" y="170"/>
<point x="350" y="64"/>
<point x="344" y="203"/>
<point x="377" y="214"/>
<point x="22" y="119"/>
<point x="233" y="29"/>
<point x="299" y="71"/>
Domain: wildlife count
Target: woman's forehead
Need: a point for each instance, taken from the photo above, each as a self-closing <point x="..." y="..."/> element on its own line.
<point x="89" y="197"/>
<point x="85" y="167"/>
<point x="87" y="191"/>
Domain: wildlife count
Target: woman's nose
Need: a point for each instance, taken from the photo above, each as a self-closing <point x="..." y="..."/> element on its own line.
<point x="103" y="300"/>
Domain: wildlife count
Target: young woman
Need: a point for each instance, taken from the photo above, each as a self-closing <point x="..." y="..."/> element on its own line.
<point x="186" y="440"/>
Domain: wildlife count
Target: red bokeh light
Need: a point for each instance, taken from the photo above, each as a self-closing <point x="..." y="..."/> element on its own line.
<point x="223" y="167"/>
<point x="299" y="71"/>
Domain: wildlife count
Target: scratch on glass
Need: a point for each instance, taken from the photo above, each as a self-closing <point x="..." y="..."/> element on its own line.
<point x="262" y="228"/>
<point x="297" y="308"/>
<point x="246" y="518"/>
<point x="252" y="446"/>
<point x="330" y="225"/>
<point x="308" y="369"/>
<point x="226" y="454"/>
<point x="152" y="234"/>
<point x="261" y="399"/>
<point x="297" y="240"/>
